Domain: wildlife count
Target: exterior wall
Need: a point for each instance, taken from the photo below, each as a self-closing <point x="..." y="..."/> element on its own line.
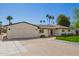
<point x="58" y="32"/>
<point x="71" y="31"/>
<point x="1" y="37"/>
<point x="22" y="30"/>
<point x="45" y="32"/>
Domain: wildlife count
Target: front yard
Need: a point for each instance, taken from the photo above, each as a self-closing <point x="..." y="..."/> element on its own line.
<point x="69" y="38"/>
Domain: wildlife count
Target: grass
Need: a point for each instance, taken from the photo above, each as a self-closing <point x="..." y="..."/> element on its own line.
<point x="69" y="38"/>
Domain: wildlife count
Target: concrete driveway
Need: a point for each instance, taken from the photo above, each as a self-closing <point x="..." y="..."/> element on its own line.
<point x="39" y="47"/>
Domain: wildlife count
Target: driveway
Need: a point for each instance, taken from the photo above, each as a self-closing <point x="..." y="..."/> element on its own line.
<point x="39" y="47"/>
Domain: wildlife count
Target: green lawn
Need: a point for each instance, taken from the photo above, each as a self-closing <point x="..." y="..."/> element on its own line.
<point x="69" y="38"/>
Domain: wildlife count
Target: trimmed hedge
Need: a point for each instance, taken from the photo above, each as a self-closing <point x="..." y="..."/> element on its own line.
<point x="42" y="36"/>
<point x="65" y="35"/>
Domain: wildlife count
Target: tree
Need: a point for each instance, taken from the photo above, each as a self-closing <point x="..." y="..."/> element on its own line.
<point x="42" y="21"/>
<point x="0" y="23"/>
<point x="9" y="18"/>
<point x="0" y="27"/>
<point x="76" y="17"/>
<point x="63" y="20"/>
<point x="49" y="18"/>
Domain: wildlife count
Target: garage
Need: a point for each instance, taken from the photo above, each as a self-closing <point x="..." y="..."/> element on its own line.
<point x="22" y="30"/>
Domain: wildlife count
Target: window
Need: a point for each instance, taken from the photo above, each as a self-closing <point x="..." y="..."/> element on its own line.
<point x="63" y="30"/>
<point x="9" y="29"/>
<point x="69" y="30"/>
<point x="41" y="31"/>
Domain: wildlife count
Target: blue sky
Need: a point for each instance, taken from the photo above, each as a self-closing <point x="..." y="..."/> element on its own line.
<point x="35" y="12"/>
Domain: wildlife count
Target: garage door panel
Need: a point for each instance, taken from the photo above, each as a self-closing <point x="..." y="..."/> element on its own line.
<point x="22" y="31"/>
<point x="26" y="34"/>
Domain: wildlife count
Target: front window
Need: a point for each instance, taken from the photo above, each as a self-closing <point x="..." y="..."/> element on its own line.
<point x="69" y="30"/>
<point x="41" y="31"/>
<point x="63" y="30"/>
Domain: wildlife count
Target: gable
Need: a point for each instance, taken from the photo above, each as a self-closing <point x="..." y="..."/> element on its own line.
<point x="21" y="23"/>
<point x="22" y="26"/>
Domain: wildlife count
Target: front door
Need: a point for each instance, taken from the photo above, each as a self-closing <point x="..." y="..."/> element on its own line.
<point x="51" y="32"/>
<point x="77" y="32"/>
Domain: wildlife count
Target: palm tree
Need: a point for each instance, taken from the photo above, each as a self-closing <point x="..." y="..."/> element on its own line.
<point x="9" y="18"/>
<point x="0" y="23"/>
<point x="42" y="21"/>
<point x="49" y="18"/>
<point x="0" y="27"/>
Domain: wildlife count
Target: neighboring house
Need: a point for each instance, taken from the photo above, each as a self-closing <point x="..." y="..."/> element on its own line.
<point x="28" y="30"/>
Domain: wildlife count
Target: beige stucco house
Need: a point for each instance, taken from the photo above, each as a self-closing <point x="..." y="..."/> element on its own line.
<point x="28" y="30"/>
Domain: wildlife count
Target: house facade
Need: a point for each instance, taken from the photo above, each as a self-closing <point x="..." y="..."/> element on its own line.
<point x="28" y="30"/>
<point x="57" y="30"/>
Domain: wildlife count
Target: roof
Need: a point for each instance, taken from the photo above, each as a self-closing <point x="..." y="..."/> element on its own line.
<point x="60" y="27"/>
<point x="43" y="26"/>
<point x="53" y="27"/>
<point x="21" y="22"/>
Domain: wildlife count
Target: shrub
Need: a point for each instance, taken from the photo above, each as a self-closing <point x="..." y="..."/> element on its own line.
<point x="5" y="37"/>
<point x="42" y="36"/>
<point x="69" y="34"/>
<point x="63" y="30"/>
<point x="4" y="30"/>
<point x="63" y="34"/>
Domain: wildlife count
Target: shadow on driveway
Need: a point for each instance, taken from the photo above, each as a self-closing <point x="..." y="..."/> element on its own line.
<point x="20" y="39"/>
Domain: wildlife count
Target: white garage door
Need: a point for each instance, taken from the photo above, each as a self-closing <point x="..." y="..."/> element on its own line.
<point x="22" y="32"/>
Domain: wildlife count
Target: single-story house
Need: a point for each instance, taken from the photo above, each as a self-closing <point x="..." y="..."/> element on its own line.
<point x="28" y="30"/>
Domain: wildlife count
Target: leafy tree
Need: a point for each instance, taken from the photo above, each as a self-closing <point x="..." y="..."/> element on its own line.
<point x="63" y="20"/>
<point x="49" y="18"/>
<point x="76" y="17"/>
<point x="9" y="18"/>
